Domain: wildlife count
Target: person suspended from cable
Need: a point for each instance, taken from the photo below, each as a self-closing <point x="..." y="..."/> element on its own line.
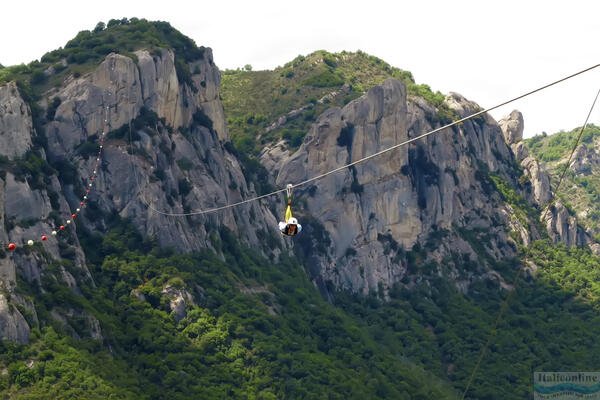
<point x="290" y="225"/>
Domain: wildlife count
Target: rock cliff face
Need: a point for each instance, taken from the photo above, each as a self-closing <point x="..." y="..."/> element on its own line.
<point x="176" y="133"/>
<point x="378" y="211"/>
<point x="179" y="163"/>
<point x="166" y="153"/>
<point x="15" y="122"/>
<point x="512" y="128"/>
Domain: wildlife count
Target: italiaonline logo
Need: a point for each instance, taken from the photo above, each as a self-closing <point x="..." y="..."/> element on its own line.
<point x="566" y="385"/>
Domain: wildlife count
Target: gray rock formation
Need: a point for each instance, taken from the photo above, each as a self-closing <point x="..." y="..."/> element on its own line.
<point x="273" y="156"/>
<point x="512" y="127"/>
<point x="16" y="125"/>
<point x="179" y="298"/>
<point x="178" y="165"/>
<point x="381" y="208"/>
<point x="151" y="182"/>
<point x="13" y="326"/>
<point x="561" y="225"/>
<point x="586" y="159"/>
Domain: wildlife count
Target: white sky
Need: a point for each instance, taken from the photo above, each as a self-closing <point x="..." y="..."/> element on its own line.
<point x="487" y="51"/>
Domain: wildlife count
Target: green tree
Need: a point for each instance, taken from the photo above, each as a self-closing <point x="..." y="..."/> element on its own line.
<point x="99" y="27"/>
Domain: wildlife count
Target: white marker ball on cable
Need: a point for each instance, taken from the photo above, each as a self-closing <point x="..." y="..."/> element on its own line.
<point x="68" y="221"/>
<point x="79" y="209"/>
<point x="90" y="185"/>
<point x="30" y="242"/>
<point x="53" y="233"/>
<point x="85" y="197"/>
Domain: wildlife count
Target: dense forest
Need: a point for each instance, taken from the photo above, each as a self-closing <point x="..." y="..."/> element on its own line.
<point x="261" y="330"/>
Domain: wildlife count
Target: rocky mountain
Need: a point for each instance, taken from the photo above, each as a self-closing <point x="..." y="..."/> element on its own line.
<point x="435" y="193"/>
<point x="440" y="194"/>
<point x="177" y="134"/>
<point x="389" y="291"/>
<point x="382" y="209"/>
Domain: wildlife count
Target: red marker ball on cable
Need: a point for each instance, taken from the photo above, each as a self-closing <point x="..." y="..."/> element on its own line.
<point x="62" y="227"/>
<point x="12" y="246"/>
<point x="82" y="203"/>
<point x="73" y="216"/>
<point x="44" y="237"/>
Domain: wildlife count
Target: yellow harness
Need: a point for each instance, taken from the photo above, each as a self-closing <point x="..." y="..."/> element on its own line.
<point x="288" y="210"/>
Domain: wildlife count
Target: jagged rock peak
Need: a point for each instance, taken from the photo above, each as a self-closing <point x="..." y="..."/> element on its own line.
<point x="460" y="104"/>
<point x="124" y="87"/>
<point x="512" y="127"/>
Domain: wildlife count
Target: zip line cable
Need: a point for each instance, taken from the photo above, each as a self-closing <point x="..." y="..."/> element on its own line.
<point x="506" y="302"/>
<point x="409" y="141"/>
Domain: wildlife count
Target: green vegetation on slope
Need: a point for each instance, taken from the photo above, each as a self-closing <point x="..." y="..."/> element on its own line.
<point x="257" y="331"/>
<point x="261" y="331"/>
<point x="557" y="146"/>
<point x="83" y="53"/>
<point x="253" y="100"/>
<point x="581" y="191"/>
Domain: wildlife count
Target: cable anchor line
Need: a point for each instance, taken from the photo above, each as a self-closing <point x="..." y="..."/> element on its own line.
<point x="377" y="154"/>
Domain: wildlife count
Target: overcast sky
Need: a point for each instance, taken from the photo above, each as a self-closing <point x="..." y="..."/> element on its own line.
<point x="487" y="51"/>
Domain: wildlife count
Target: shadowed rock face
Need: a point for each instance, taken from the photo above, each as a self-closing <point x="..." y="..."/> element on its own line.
<point x="178" y="165"/>
<point x="387" y="205"/>
<point x="15" y="122"/>
<point x="13" y="326"/>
